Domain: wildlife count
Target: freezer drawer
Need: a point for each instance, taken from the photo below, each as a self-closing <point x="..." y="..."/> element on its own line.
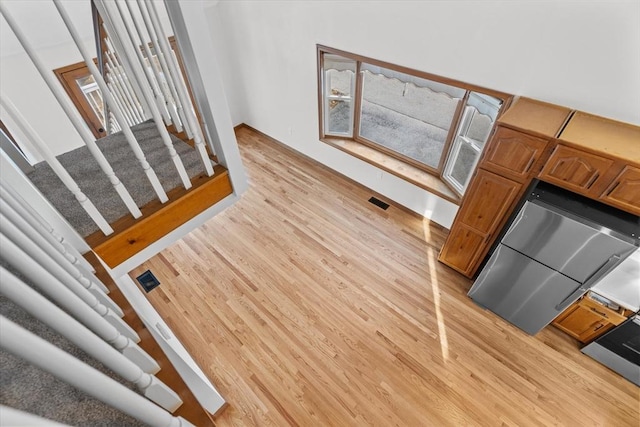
<point x="522" y="290"/>
<point x="571" y="246"/>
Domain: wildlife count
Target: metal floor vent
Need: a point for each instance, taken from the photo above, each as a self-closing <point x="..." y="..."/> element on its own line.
<point x="148" y="281"/>
<point x="379" y="203"/>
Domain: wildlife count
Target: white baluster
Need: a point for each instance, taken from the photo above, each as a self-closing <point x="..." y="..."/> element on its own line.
<point x="165" y="70"/>
<point x="57" y="167"/>
<point x="166" y="139"/>
<point x="129" y="105"/>
<point x="157" y="73"/>
<point x="117" y="99"/>
<point x="26" y="212"/>
<point x="13" y="224"/>
<point x="133" y="143"/>
<point x="73" y="115"/>
<point x="14" y="239"/>
<point x="70" y="302"/>
<point x="168" y="88"/>
<point x="185" y="100"/>
<point x="12" y="417"/>
<point x="114" y="63"/>
<point x="46" y="356"/>
<point x="44" y="310"/>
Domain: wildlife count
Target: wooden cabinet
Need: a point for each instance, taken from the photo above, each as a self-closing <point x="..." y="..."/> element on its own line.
<point x="478" y="220"/>
<point x="463" y="249"/>
<point x="586" y="319"/>
<point x="624" y="191"/>
<point x="574" y="169"/>
<point x="511" y="158"/>
<point x="593" y="156"/>
<point x="513" y="154"/>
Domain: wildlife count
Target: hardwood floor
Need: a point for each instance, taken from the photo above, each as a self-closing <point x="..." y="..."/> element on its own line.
<point x="309" y="306"/>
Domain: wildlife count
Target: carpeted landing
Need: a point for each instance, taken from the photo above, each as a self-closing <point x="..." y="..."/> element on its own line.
<point x="96" y="186"/>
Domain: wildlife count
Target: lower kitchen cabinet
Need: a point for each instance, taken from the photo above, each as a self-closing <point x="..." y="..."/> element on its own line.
<point x="586" y="319"/>
<point x="489" y="201"/>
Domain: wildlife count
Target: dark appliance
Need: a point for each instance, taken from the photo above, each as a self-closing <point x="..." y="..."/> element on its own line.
<point x="619" y="349"/>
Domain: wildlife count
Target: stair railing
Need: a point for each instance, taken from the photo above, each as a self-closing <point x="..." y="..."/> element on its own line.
<point x="126" y="34"/>
<point x="74" y="307"/>
<point x="117" y="111"/>
<point x="38" y="225"/>
<point x="60" y="364"/>
<point x="56" y="166"/>
<point x="177" y="80"/>
<point x="132" y="54"/>
<point x="73" y="116"/>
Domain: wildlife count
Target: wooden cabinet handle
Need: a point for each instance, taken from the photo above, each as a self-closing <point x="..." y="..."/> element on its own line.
<point x="598" y="327"/>
<point x="595" y="310"/>
<point x="613" y="188"/>
<point x="531" y="162"/>
<point x="592" y="180"/>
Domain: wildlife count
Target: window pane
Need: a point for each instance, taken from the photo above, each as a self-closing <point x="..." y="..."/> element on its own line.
<point x="472" y="133"/>
<point x="464" y="162"/>
<point x="339" y="117"/>
<point x="92" y="93"/>
<point x="404" y="114"/>
<point x="339" y="80"/>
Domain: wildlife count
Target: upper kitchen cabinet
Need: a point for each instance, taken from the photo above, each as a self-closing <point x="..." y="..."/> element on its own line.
<point x="574" y="169"/>
<point x="601" y="160"/>
<point x="624" y="191"/>
<point x="513" y="153"/>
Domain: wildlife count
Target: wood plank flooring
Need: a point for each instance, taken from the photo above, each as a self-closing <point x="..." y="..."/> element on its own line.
<point x="308" y="306"/>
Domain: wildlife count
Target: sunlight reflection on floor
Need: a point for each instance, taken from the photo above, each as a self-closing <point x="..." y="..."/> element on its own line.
<point x="442" y="331"/>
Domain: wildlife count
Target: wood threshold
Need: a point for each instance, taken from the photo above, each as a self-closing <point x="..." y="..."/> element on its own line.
<point x="132" y="235"/>
<point x="190" y="409"/>
<point x="409" y="173"/>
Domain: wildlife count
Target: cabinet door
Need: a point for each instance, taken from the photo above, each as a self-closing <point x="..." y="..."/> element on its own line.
<point x="586" y="320"/>
<point x="574" y="169"/>
<point x="581" y="323"/>
<point x="513" y="154"/>
<point x="489" y="201"/>
<point x="624" y="190"/>
<point x="463" y="248"/>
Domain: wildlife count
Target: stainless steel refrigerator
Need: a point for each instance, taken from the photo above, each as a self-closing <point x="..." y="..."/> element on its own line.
<point x="548" y="258"/>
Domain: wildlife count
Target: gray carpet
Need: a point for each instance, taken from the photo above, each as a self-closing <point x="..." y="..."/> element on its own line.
<point x="30" y="389"/>
<point x="95" y="184"/>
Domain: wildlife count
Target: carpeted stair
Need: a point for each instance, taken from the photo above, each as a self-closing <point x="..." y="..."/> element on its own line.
<point x="30" y="389"/>
<point x="96" y="186"/>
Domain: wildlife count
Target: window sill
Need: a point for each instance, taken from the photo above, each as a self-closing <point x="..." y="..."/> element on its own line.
<point x="409" y="173"/>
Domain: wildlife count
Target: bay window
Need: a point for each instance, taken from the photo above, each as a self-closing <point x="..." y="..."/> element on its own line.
<point x="431" y="123"/>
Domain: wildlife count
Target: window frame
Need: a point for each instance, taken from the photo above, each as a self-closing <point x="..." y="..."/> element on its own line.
<point x="357" y="110"/>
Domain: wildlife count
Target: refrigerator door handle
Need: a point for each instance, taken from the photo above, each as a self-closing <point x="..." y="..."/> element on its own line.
<point x="588" y="284"/>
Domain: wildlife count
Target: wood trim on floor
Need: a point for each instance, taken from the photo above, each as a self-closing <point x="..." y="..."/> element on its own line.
<point x="132" y="235"/>
<point x="190" y="409"/>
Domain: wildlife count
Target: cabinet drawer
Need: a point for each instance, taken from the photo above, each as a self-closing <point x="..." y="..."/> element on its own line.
<point x="624" y="190"/>
<point x="513" y="154"/>
<point x="574" y="170"/>
<point x="601" y="311"/>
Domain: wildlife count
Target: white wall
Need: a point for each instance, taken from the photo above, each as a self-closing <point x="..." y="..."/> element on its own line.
<point x="22" y="84"/>
<point x="581" y="54"/>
